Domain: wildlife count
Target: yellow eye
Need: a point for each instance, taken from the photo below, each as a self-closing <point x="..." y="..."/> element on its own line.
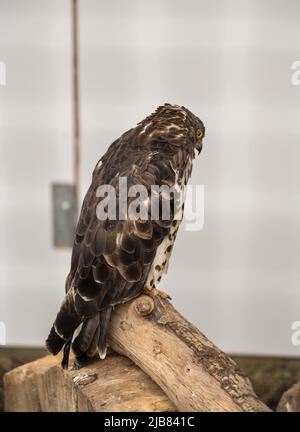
<point x="199" y="134"/>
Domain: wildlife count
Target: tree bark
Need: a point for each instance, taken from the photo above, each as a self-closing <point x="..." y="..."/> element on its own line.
<point x="192" y="371"/>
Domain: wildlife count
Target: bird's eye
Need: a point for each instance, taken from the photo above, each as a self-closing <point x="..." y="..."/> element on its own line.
<point x="199" y="134"/>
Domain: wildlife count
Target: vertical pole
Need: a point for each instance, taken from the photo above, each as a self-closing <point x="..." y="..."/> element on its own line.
<point x="76" y="110"/>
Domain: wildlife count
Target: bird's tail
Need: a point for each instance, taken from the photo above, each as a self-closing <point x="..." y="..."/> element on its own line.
<point x="92" y="335"/>
<point x="61" y="333"/>
<point x="105" y="316"/>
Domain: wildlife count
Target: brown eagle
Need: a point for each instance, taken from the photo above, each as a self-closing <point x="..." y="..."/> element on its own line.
<point x="114" y="259"/>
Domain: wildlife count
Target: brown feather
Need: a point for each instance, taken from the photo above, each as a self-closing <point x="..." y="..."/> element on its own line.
<point x="111" y="260"/>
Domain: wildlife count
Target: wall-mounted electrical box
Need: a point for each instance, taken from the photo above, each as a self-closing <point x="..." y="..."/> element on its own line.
<point x="64" y="205"/>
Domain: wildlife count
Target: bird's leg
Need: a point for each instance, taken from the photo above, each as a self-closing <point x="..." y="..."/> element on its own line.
<point x="154" y="292"/>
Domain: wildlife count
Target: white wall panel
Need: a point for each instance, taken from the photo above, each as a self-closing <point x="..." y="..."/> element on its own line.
<point x="229" y="62"/>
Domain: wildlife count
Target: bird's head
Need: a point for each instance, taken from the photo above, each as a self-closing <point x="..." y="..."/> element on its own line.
<point x="196" y="129"/>
<point x="181" y="126"/>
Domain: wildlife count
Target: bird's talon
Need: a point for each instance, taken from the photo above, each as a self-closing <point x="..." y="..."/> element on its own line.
<point x="154" y="292"/>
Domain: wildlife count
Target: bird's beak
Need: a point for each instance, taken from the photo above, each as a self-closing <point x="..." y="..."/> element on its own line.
<point x="199" y="146"/>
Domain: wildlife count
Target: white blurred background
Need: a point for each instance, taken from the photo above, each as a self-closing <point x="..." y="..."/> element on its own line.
<point x="229" y="61"/>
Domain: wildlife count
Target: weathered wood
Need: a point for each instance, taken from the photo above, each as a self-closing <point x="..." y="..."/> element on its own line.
<point x="270" y="376"/>
<point x="192" y="371"/>
<point x="290" y="400"/>
<point x="114" y="384"/>
<point x="194" y="374"/>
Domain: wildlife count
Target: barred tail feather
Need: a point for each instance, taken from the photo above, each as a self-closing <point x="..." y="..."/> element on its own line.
<point x="91" y="336"/>
<point x="105" y="316"/>
<point x="66" y="322"/>
<point x="54" y="342"/>
<point x="86" y="335"/>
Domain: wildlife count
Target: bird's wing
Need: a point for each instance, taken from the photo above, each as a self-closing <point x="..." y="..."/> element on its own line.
<point x="111" y="259"/>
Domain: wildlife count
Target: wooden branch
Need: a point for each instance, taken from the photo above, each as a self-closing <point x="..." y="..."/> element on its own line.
<point x="191" y="370"/>
<point x="114" y="384"/>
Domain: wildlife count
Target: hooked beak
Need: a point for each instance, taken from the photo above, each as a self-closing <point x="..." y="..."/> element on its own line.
<point x="199" y="146"/>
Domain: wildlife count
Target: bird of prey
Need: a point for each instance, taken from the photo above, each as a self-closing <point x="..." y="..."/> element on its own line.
<point x="115" y="259"/>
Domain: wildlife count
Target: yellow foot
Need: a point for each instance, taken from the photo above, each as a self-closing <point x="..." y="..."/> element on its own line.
<point x="154" y="292"/>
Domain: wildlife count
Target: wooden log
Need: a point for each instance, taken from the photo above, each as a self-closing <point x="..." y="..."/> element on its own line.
<point x="114" y="384"/>
<point x="194" y="374"/>
<point x="290" y="400"/>
<point x="192" y="371"/>
<point x="270" y="376"/>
